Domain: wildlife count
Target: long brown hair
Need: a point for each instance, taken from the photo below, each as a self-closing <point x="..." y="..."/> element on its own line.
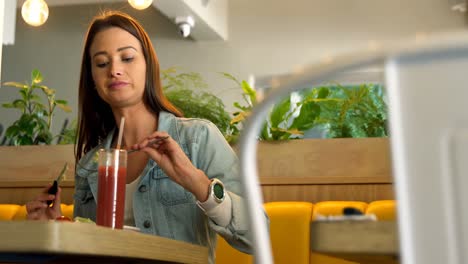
<point x="95" y="118"/>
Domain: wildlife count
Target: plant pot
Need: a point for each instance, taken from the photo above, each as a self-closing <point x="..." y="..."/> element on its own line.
<point x="326" y="169"/>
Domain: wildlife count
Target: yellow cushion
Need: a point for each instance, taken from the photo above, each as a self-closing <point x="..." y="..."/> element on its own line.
<point x="336" y="207"/>
<point x="20" y="214"/>
<point x="225" y="254"/>
<point x="384" y="210"/>
<point x="8" y="211"/>
<point x="290" y="231"/>
<point x="67" y="210"/>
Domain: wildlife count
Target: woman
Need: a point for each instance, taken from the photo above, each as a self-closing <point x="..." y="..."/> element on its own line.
<point x="169" y="185"/>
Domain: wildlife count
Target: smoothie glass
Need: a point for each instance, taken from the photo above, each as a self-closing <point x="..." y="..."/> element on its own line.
<point x="112" y="174"/>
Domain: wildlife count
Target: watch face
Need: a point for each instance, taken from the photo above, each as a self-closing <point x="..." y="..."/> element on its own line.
<point x="218" y="191"/>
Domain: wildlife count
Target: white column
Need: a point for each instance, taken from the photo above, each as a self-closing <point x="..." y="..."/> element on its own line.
<point x="7" y="25"/>
<point x="2" y="12"/>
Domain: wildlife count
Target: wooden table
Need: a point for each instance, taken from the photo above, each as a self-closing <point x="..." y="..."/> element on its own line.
<point x="67" y="242"/>
<point x="359" y="241"/>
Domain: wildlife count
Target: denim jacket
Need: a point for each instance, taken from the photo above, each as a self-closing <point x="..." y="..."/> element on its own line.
<point x="161" y="206"/>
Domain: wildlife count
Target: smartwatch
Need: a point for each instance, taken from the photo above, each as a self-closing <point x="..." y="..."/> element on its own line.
<point x="217" y="190"/>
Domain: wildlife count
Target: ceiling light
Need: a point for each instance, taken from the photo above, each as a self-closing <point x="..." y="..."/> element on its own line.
<point x="140" y="4"/>
<point x="35" y="12"/>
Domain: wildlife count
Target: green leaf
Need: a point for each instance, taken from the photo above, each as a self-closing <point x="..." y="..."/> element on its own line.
<point x="18" y="103"/>
<point x="306" y="118"/>
<point x="279" y="112"/>
<point x="264" y="133"/>
<point x="323" y="93"/>
<point x="250" y="92"/>
<point x="244" y="108"/>
<point x="48" y="91"/>
<point x="39" y="108"/>
<point x="64" y="102"/>
<point x="44" y="137"/>
<point x="239" y="117"/>
<point x="64" y="107"/>
<point x="24" y="141"/>
<point x="230" y="77"/>
<point x="35" y="98"/>
<point x="8" y="105"/>
<point x="36" y="76"/>
<point x="12" y="131"/>
<point x="68" y="135"/>
<point x="16" y="84"/>
<point x="24" y="95"/>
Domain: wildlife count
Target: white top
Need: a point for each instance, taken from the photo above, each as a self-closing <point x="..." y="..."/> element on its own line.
<point x="130" y="189"/>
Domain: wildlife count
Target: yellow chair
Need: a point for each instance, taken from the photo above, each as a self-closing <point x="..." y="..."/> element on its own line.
<point x="225" y="254"/>
<point x="290" y="231"/>
<point x="67" y="210"/>
<point x="336" y="207"/>
<point x="384" y="210"/>
<point x="8" y="211"/>
<point x="20" y="214"/>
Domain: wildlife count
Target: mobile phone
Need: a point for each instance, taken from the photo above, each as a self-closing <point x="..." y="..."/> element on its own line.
<point x="54" y="188"/>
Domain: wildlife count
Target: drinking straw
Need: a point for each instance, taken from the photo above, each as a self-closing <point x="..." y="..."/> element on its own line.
<point x="119" y="140"/>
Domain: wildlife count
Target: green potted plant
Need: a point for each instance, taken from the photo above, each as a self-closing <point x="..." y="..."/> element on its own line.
<point x="355" y="111"/>
<point x="34" y="159"/>
<point x="353" y="149"/>
<point x="187" y="91"/>
<point x="33" y="127"/>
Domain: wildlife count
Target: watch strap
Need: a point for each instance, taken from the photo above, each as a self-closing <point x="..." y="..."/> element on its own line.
<point x="209" y="204"/>
<point x="220" y="213"/>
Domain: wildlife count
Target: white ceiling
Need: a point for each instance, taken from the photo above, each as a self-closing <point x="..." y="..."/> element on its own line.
<point x="210" y="15"/>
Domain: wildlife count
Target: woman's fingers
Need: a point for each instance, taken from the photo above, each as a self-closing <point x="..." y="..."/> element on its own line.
<point x="34" y="206"/>
<point x="35" y="215"/>
<point x="155" y="140"/>
<point x="38" y="208"/>
<point x="35" y="210"/>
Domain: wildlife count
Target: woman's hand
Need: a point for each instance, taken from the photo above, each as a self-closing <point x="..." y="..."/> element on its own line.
<point x="38" y="208"/>
<point x="173" y="161"/>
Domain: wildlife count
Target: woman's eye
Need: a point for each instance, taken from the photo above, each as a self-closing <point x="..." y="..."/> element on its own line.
<point x="101" y="64"/>
<point x="129" y="59"/>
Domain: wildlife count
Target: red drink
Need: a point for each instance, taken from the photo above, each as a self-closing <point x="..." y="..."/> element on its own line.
<point x="111" y="189"/>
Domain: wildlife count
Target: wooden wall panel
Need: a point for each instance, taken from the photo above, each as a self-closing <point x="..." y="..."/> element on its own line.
<point x="357" y="159"/>
<point x="326" y="169"/>
<point x="26" y="170"/>
<point x="32" y="166"/>
<point x="21" y="195"/>
<point x="302" y="170"/>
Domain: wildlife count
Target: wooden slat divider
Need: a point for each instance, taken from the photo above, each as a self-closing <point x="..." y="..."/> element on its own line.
<point x="309" y="170"/>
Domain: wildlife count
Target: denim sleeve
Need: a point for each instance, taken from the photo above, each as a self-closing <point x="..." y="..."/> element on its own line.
<point x="84" y="203"/>
<point x="218" y="160"/>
